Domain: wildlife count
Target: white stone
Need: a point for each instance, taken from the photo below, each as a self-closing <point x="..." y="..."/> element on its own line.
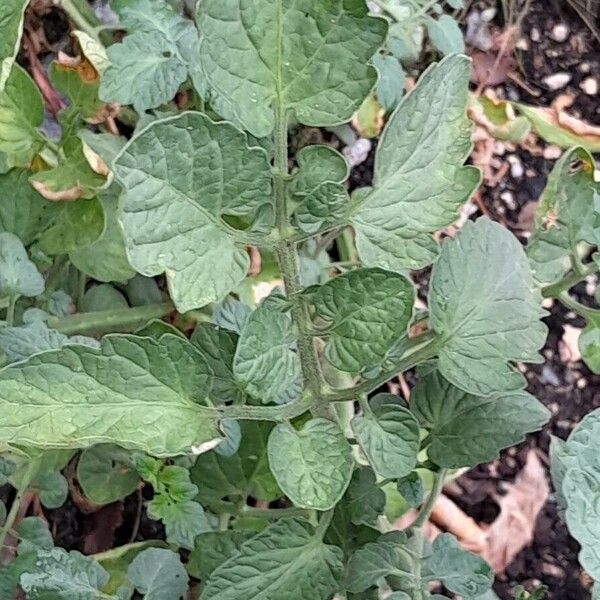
<point x="559" y="32"/>
<point x="557" y="80"/>
<point x="590" y="86"/>
<point x="552" y="152"/>
<point x="535" y="34"/>
<point x="516" y="167"/>
<point x="508" y="199"/>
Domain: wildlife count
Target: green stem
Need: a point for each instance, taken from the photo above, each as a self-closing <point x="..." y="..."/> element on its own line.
<point x="108" y="320"/>
<point x="590" y="314"/>
<point x="81" y="288"/>
<point x="436" y="490"/>
<point x="419" y="349"/>
<point x="571" y="279"/>
<point x="10" y="311"/>
<point x="323" y="525"/>
<point x="14" y="509"/>
<point x="274" y="513"/>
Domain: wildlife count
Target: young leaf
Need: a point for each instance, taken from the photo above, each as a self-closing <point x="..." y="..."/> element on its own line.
<point x="564" y="216"/>
<point x="148" y="66"/>
<point x="274" y="57"/>
<point x="244" y="474"/>
<point x="18" y="275"/>
<point x="265" y="364"/>
<point x="105" y="473"/>
<point x="485" y="307"/>
<point x="589" y="346"/>
<point x="389" y="437"/>
<point x="318" y="188"/>
<point x="105" y="258"/>
<point x="467" y="430"/>
<point x="376" y="560"/>
<point x="63" y="575"/>
<point x="173" y="205"/>
<point x="365" y="499"/>
<point x="11" y="28"/>
<point x="419" y="181"/>
<point x="365" y="312"/>
<point x="461" y="572"/>
<point x="132" y="391"/>
<point x="52" y="489"/>
<point x="231" y="314"/>
<point x="158" y="574"/>
<point x="445" y="34"/>
<point x="22" y="210"/>
<point x="174" y="505"/>
<point x="217" y="346"/>
<point x="284" y="560"/>
<point x="313" y="466"/>
<point x="21" y="113"/>
<point x="410" y="487"/>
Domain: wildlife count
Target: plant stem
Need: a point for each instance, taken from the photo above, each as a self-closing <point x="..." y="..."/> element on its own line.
<point x="287" y="257"/>
<point x="14" y="509"/>
<point x="74" y="13"/>
<point x="324" y="523"/>
<point x="10" y="311"/>
<point x="436" y="490"/>
<point x="274" y="513"/>
<point x="569" y="280"/>
<point x="590" y="314"/>
<point x="107" y="320"/>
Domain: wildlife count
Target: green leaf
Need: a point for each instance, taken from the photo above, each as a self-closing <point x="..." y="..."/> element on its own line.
<point x="173" y="205"/>
<point x="265" y="364"/>
<point x="271" y="57"/>
<point x="19" y="343"/>
<point x="148" y="66"/>
<point x="365" y="499"/>
<point x="214" y="548"/>
<point x="21" y="113"/>
<point x="22" y="210"/>
<point x="376" y="560"/>
<point x="71" y="179"/>
<point x="564" y="216"/>
<point x="62" y="575"/>
<point x="245" y="474"/>
<point x="577" y="477"/>
<point x="467" y="430"/>
<point x="313" y="466"/>
<point x="132" y="391"/>
<point x="18" y="275"/>
<point x="52" y="488"/>
<point x="485" y="308"/>
<point x="286" y="560"/>
<point x="103" y="297"/>
<point x="419" y="183"/>
<point x="318" y="189"/>
<point x="390" y="87"/>
<point x="231" y="314"/>
<point x="105" y="473"/>
<point x="445" y="34"/>
<point x="589" y="346"/>
<point x="461" y="572"/>
<point x="362" y="313"/>
<point x="11" y="29"/>
<point x="389" y="437"/>
<point x="410" y="487"/>
<point x="158" y="574"/>
<point x="217" y="346"/>
<point x="33" y="535"/>
<point x="105" y="258"/>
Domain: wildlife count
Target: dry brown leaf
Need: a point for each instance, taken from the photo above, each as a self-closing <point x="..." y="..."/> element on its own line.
<point x="514" y="527"/>
<point x="72" y="193"/>
<point x="102" y="526"/>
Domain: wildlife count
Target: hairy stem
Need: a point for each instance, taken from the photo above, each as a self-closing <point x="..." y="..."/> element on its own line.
<point x="10" y="311"/>
<point x="436" y="490"/>
<point x="274" y="513"/>
<point x="590" y="314"/>
<point x="79" y="19"/>
<point x="287" y="257"/>
<point x="107" y="320"/>
<point x="14" y="509"/>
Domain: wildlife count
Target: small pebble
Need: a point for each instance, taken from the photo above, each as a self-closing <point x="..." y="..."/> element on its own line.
<point x="552" y="152"/>
<point x="516" y="166"/>
<point x="535" y="34"/>
<point x="559" y="32"/>
<point x="508" y="199"/>
<point x="556" y="80"/>
<point x="358" y="152"/>
<point x="590" y="86"/>
<point x="584" y="67"/>
<point x="522" y="44"/>
<point x="549" y="376"/>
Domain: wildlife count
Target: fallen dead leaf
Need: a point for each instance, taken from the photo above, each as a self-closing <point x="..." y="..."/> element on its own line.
<point x="514" y="527"/>
<point x="102" y="526"/>
<point x="72" y="193"/>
